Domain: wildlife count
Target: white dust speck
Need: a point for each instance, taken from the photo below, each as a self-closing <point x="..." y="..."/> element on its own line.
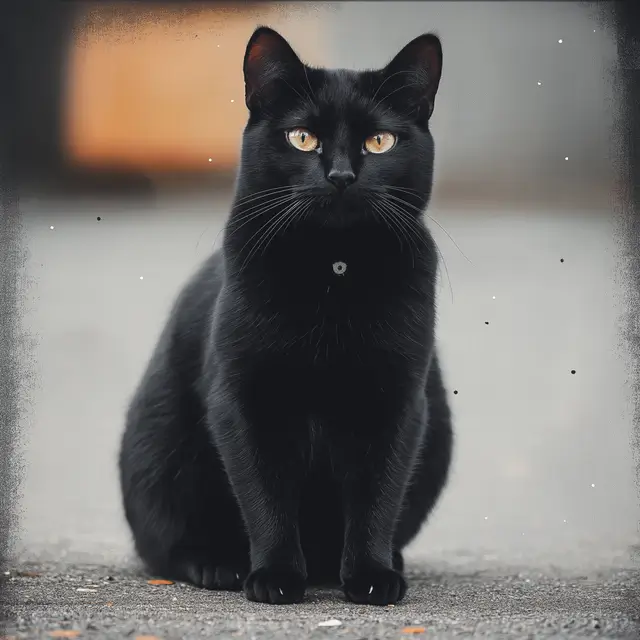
<point x="330" y="623"/>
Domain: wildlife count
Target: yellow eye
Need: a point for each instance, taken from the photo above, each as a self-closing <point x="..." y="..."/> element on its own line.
<point x="302" y="140"/>
<point x="380" y="143"/>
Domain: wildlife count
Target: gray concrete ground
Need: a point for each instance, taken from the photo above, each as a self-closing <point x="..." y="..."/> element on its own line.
<point x="535" y="534"/>
<point x="106" y="603"/>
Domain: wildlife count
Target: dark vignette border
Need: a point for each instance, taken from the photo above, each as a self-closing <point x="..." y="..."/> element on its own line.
<point x="626" y="19"/>
<point x="29" y="151"/>
<point x="33" y="36"/>
<point x="10" y="262"/>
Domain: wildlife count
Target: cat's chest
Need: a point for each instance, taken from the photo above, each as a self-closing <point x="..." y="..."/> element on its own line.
<point x="337" y="277"/>
<point x="346" y="320"/>
<point x="340" y="298"/>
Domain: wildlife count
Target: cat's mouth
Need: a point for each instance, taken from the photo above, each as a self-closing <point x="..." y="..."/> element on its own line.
<point x="341" y="210"/>
<point x="331" y="197"/>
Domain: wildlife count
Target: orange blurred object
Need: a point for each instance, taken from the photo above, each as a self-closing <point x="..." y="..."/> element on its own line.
<point x="160" y="88"/>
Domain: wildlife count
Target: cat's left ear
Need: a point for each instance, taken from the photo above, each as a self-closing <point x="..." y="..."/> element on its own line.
<point x="271" y="68"/>
<point x="411" y="79"/>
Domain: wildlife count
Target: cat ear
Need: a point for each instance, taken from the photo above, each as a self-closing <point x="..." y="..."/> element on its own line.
<point x="411" y="79"/>
<point x="268" y="59"/>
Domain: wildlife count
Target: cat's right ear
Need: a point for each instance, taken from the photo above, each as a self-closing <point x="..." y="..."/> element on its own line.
<point x="268" y="60"/>
<point x="412" y="78"/>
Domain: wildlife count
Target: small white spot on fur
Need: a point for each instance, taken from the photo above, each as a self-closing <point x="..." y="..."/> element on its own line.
<point x="371" y="590"/>
<point x="280" y="590"/>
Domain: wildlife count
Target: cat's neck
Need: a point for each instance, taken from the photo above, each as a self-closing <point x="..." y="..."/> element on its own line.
<point x="360" y="261"/>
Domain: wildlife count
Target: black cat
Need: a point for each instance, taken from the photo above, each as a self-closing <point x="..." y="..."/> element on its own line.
<point x="292" y="427"/>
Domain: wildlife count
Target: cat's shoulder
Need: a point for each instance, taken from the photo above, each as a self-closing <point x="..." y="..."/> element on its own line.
<point x="209" y="275"/>
<point x="201" y="290"/>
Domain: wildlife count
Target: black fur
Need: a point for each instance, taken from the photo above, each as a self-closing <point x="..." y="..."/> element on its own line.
<point x="292" y="427"/>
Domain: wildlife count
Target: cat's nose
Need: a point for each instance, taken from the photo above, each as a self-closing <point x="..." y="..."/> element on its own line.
<point x="341" y="179"/>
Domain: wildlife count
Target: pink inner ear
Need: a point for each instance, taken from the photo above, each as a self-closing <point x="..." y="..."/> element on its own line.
<point x="429" y="57"/>
<point x="256" y="52"/>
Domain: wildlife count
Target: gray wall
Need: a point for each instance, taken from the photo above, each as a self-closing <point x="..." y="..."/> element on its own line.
<point x="493" y="124"/>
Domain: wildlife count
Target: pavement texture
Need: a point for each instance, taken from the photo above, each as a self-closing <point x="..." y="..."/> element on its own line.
<point x="535" y="534"/>
<point x="110" y="602"/>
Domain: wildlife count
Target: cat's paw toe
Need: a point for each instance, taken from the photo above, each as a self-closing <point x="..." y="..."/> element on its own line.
<point x="376" y="586"/>
<point x="275" y="586"/>
<point x="216" y="577"/>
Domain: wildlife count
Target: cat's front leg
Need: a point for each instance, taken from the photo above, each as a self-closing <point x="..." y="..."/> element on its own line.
<point x="265" y="465"/>
<point x="377" y="464"/>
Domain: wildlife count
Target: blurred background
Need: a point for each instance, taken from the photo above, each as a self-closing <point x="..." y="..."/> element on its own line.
<point x="126" y="130"/>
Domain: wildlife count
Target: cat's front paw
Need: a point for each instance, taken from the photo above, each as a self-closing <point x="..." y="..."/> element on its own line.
<point x="374" y="585"/>
<point x="275" y="586"/>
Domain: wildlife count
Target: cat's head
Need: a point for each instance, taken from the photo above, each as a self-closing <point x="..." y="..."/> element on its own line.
<point x="338" y="145"/>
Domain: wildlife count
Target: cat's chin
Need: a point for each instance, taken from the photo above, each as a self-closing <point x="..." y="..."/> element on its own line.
<point x="342" y="219"/>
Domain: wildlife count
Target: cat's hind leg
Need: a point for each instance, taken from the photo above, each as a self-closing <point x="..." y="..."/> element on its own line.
<point x="432" y="471"/>
<point x="185" y="521"/>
